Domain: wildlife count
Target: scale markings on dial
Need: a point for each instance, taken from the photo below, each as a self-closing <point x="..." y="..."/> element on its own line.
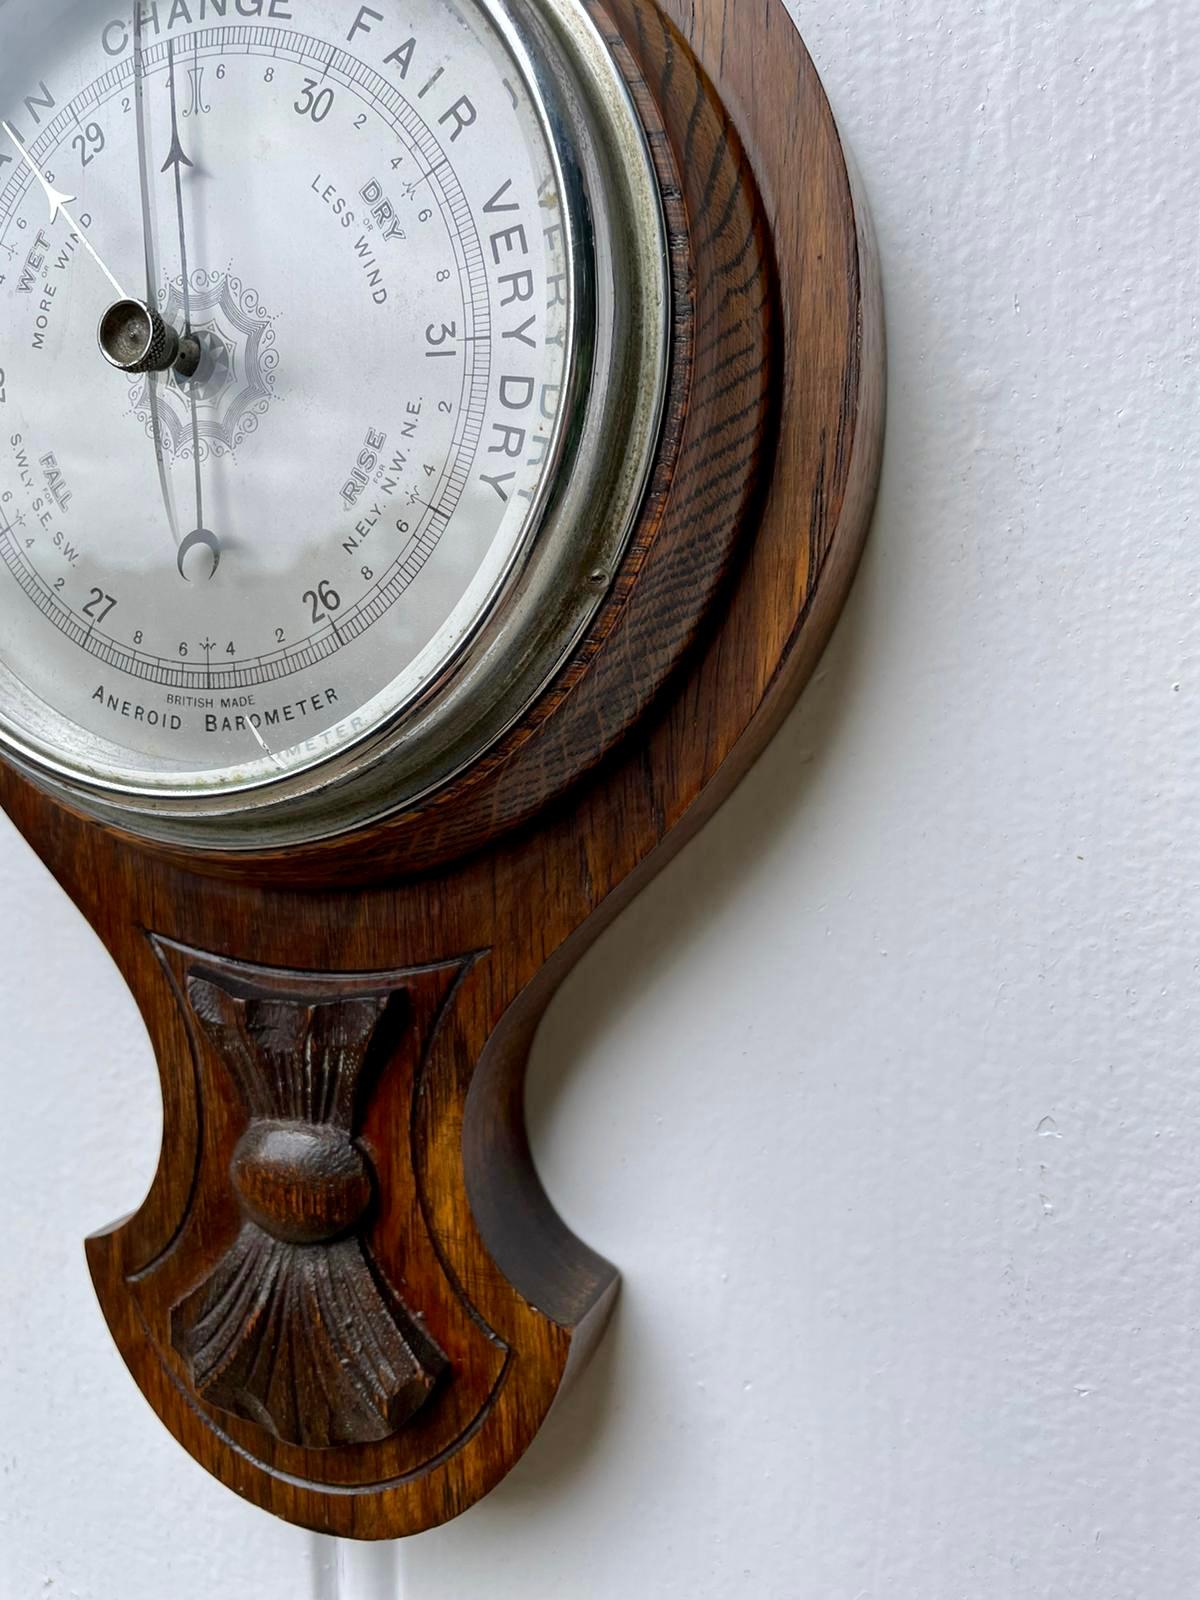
<point x="405" y="543"/>
<point x="371" y="246"/>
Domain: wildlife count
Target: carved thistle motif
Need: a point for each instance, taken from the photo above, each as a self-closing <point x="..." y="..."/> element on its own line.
<point x="295" y="1328"/>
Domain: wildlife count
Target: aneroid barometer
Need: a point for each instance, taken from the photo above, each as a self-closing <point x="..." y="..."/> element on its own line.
<point x="436" y="438"/>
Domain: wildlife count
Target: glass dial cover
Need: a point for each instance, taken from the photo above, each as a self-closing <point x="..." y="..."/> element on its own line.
<point x="361" y="258"/>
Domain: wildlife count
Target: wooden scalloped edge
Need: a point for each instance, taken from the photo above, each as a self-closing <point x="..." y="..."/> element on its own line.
<point x="525" y="1298"/>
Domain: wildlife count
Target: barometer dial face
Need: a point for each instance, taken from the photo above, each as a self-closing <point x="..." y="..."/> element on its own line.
<point x="347" y="230"/>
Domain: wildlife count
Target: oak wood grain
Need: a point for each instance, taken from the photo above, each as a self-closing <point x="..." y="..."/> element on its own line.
<point x="453" y="924"/>
<point x="296" y="1327"/>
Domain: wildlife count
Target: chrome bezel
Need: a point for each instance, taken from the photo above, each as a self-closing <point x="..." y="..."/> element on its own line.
<point x="617" y="252"/>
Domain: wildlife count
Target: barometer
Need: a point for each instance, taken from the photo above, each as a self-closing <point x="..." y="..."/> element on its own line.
<point x="436" y="438"/>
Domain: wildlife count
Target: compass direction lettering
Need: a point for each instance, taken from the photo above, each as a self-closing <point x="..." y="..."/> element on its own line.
<point x="218" y="498"/>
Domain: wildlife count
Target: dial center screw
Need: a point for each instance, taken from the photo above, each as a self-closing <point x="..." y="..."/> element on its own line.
<point x="134" y="338"/>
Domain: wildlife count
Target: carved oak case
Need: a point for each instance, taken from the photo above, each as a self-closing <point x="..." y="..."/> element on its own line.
<point x="346" y="1293"/>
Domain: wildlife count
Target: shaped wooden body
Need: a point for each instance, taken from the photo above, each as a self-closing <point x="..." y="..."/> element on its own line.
<point x="346" y="1293"/>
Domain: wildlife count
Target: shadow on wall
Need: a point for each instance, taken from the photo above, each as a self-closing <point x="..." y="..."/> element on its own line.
<point x="758" y="826"/>
<point x="624" y="969"/>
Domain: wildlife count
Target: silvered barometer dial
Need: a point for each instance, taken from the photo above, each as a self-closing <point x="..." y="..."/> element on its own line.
<point x="436" y="440"/>
<point x="332" y="342"/>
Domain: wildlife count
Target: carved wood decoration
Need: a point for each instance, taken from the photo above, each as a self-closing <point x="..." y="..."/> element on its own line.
<point x="346" y="1293"/>
<point x="296" y="1327"/>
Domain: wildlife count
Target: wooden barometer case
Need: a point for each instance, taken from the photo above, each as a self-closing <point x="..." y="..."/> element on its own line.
<point x="436" y="440"/>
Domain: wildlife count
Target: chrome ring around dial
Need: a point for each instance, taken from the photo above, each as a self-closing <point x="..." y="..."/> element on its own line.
<point x="425" y="268"/>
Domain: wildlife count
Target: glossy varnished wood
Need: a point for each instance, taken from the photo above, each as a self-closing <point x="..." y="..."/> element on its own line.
<point x="409" y="966"/>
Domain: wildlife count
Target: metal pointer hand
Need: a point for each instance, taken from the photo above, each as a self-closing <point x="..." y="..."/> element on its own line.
<point x="132" y="335"/>
<point x="58" y="204"/>
<point x="176" y="159"/>
<point x="152" y="381"/>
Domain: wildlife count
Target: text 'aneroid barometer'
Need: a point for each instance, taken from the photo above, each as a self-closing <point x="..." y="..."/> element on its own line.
<point x="436" y="439"/>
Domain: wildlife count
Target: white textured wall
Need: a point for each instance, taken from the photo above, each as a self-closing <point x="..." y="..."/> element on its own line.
<point x="887" y="1095"/>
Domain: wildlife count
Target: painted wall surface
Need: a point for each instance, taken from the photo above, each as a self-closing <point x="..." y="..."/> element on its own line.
<point x="887" y="1095"/>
